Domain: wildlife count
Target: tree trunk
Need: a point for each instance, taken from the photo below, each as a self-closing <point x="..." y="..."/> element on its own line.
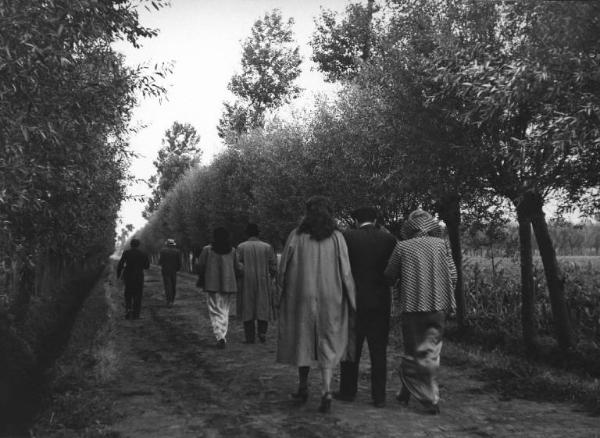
<point x="528" y="317"/>
<point x="493" y="261"/>
<point x="554" y="277"/>
<point x="449" y="211"/>
<point x="366" y="51"/>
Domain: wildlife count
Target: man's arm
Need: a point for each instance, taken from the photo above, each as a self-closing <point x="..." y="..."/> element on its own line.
<point x="238" y="263"/>
<point x="392" y="271"/>
<point x="272" y="262"/>
<point x="121" y="263"/>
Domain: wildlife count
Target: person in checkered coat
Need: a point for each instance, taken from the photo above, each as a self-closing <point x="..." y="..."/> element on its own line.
<point x="424" y="271"/>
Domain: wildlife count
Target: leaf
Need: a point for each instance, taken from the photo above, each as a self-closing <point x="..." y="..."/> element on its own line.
<point x="25" y="132"/>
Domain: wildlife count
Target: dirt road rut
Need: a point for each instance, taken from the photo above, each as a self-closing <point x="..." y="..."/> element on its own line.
<point x="168" y="380"/>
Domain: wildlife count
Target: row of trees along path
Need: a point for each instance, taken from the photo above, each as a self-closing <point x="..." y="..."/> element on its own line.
<point x="161" y="376"/>
<point x="461" y="106"/>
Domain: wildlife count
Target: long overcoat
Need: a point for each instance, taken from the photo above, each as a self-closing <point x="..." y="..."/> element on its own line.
<point x="317" y="294"/>
<point x="260" y="266"/>
<point x="132" y="265"/>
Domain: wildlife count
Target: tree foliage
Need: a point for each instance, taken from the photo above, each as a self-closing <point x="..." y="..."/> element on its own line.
<point x="465" y="107"/>
<point x="527" y="89"/>
<point x="178" y="154"/>
<point x="66" y="98"/>
<point x="270" y="65"/>
<point x="341" y="45"/>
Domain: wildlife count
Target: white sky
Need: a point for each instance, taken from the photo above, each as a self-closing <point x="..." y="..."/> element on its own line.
<point x="203" y="39"/>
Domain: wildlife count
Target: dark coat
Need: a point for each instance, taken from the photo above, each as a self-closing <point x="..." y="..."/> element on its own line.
<point x="169" y="260"/>
<point x="369" y="249"/>
<point x="132" y="265"/>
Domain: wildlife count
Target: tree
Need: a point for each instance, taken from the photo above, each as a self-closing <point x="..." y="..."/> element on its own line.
<point x="270" y="65"/>
<point x="431" y="144"/>
<point x="66" y="99"/>
<point x="532" y="94"/>
<point x="178" y="154"/>
<point x="341" y="47"/>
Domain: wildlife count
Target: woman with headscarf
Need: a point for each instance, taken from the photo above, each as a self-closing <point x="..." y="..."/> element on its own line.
<point x="316" y="295"/>
<point x="424" y="267"/>
<point x="218" y="267"/>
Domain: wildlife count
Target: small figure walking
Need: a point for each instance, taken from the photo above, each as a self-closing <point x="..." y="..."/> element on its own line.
<point x="427" y="274"/>
<point x="218" y="269"/>
<point x="132" y="265"/>
<point x="170" y="262"/>
<point x="256" y="294"/>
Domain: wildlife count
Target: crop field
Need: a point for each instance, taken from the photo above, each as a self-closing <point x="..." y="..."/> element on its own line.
<point x="492" y="290"/>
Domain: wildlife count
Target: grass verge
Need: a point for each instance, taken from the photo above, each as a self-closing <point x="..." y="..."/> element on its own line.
<point x="74" y="405"/>
<point x="515" y="376"/>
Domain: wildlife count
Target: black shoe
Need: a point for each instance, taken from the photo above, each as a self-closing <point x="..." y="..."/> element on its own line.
<point x="403" y="396"/>
<point x="379" y="404"/>
<point x="431" y="408"/>
<point x="325" y="406"/>
<point x="221" y="344"/>
<point x="300" y="396"/>
<point x="343" y="397"/>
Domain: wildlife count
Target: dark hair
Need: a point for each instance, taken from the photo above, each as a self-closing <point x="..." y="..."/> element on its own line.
<point x="318" y="219"/>
<point x="364" y="214"/>
<point x="135" y="243"/>
<point x="252" y="230"/>
<point x="221" y="243"/>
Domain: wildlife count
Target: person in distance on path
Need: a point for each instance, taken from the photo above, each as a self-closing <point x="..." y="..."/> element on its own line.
<point x="316" y="296"/>
<point x="255" y="298"/>
<point x="427" y="275"/>
<point x="132" y="265"/>
<point x="369" y="249"/>
<point x="218" y="269"/>
<point x="170" y="262"/>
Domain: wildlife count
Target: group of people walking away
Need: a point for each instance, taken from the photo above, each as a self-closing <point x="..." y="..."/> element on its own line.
<point x="335" y="294"/>
<point x="332" y="292"/>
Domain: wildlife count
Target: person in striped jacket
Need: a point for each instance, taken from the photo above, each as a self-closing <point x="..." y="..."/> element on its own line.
<point x="424" y="271"/>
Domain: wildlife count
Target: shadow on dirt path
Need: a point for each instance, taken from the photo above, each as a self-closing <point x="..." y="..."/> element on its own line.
<point x="168" y="380"/>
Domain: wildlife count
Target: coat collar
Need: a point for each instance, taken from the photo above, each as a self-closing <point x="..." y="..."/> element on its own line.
<point x="366" y="225"/>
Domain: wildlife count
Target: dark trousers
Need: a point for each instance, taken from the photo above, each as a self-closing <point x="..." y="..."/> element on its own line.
<point x="250" y="329"/>
<point x="133" y="300"/>
<point x="170" y="283"/>
<point x="374" y="326"/>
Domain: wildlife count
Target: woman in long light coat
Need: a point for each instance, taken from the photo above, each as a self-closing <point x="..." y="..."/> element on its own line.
<point x="317" y="295"/>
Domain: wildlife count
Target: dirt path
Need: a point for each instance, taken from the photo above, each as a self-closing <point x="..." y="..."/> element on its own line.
<point x="168" y="380"/>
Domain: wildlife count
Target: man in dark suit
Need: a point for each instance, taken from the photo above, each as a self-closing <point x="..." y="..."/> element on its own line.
<point x="369" y="248"/>
<point x="170" y="262"/>
<point x="132" y="265"/>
